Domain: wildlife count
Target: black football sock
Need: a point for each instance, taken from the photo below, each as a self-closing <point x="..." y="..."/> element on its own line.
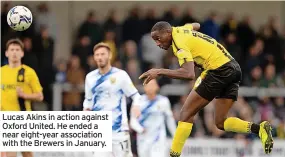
<point x="254" y="128"/>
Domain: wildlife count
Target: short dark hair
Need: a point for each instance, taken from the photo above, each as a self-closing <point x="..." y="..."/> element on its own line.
<point x="101" y="44"/>
<point x="16" y="42"/>
<point x="161" y="25"/>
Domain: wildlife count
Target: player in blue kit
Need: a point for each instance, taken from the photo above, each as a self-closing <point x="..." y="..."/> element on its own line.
<point x="106" y="89"/>
<point x="150" y="125"/>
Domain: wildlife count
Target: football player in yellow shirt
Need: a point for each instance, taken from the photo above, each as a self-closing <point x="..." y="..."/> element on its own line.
<point x="219" y="82"/>
<point x="19" y="84"/>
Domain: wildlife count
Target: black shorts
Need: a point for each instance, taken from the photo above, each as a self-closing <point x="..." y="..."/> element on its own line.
<point x="222" y="82"/>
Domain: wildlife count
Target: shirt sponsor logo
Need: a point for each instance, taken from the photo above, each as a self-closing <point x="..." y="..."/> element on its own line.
<point x="8" y="86"/>
<point x="113" y="80"/>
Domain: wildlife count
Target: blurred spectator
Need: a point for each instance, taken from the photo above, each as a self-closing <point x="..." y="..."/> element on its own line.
<point x="265" y="110"/>
<point x="229" y="26"/>
<point x="232" y="46"/>
<point x="30" y="58"/>
<point x="198" y="129"/>
<point x="273" y="25"/>
<point x="91" y="63"/>
<point x="110" y="40"/>
<point x="263" y="57"/>
<point x="149" y="21"/>
<point x="187" y="17"/>
<point x="210" y="121"/>
<point x="83" y="49"/>
<point x="132" y="28"/>
<point x="151" y="52"/>
<point x="169" y="62"/>
<point x="269" y="79"/>
<point x="253" y="59"/>
<point x="118" y="64"/>
<point x="44" y="49"/>
<point x="210" y="26"/>
<point x="129" y="52"/>
<point x="279" y="108"/>
<point x="283" y="41"/>
<point x="176" y="108"/>
<point x="46" y="18"/>
<point x="167" y="59"/>
<point x="60" y="76"/>
<point x="259" y="44"/>
<point x="279" y="113"/>
<point x="256" y="56"/>
<point x="272" y="46"/>
<point x="281" y="130"/>
<point x="243" y="109"/>
<point x="174" y="65"/>
<point x="282" y="57"/>
<point x="245" y="35"/>
<point x="111" y="22"/>
<point x="281" y="79"/>
<point x="172" y="16"/>
<point x="4" y="10"/>
<point x="91" y="28"/>
<point x="75" y="76"/>
<point x="133" y="69"/>
<point x="254" y="79"/>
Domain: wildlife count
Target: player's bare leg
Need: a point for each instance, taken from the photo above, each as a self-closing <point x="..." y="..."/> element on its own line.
<point x="222" y="107"/>
<point x="233" y="124"/>
<point x="193" y="104"/>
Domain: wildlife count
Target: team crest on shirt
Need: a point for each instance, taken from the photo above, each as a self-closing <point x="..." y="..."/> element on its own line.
<point x="20" y="78"/>
<point x="113" y="80"/>
<point x="158" y="107"/>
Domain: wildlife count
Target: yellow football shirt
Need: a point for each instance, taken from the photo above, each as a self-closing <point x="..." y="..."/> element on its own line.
<point x="11" y="78"/>
<point x="190" y="45"/>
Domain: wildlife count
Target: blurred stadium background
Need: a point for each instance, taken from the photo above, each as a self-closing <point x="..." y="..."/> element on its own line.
<point x="59" y="47"/>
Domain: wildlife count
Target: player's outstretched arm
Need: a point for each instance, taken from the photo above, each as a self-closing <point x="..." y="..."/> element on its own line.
<point x="87" y="103"/>
<point x="33" y="96"/>
<point x="135" y="109"/>
<point x="131" y="91"/>
<point x="134" y="123"/>
<point x="186" y="71"/>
